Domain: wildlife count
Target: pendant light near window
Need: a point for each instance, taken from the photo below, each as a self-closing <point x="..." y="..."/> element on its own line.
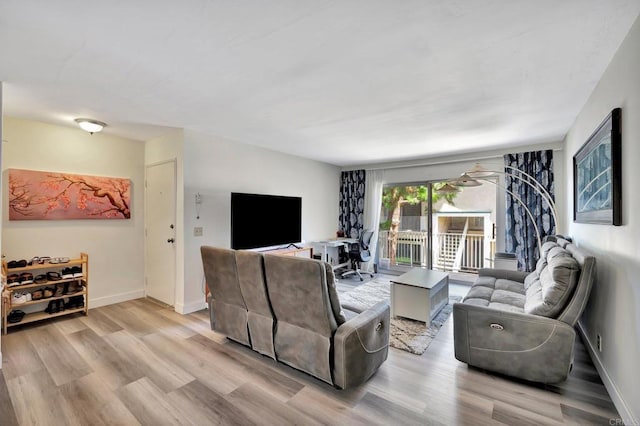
<point x="89" y="125"/>
<point x="447" y="188"/>
<point x="465" y="180"/>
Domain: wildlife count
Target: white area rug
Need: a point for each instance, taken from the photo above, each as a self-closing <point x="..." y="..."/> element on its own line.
<point x="408" y="335"/>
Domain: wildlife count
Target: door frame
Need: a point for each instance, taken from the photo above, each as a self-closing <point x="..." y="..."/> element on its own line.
<point x="173" y="160"/>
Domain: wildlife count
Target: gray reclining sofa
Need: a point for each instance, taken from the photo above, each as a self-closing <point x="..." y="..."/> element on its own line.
<point x="288" y="308"/>
<point x="522" y="324"/>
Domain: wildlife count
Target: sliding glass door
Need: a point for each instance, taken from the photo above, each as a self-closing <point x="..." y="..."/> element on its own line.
<point x="426" y="224"/>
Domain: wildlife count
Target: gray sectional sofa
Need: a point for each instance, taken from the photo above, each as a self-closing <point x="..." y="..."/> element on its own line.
<point x="287" y="308"/>
<point x="522" y="324"/>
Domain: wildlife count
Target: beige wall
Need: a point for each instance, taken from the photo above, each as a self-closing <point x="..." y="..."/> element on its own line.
<point x="115" y="247"/>
<point x="614" y="307"/>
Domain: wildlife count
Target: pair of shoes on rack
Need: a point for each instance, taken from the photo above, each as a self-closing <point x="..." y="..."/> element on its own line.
<point x="55" y="306"/>
<point x="73" y="287"/>
<point x="26" y="278"/>
<point x="13" y="280"/>
<point x="54" y="276"/>
<point x="55" y="260"/>
<point x="23" y="278"/>
<point x="75" y="302"/>
<point x="73" y="272"/>
<point x="15" y="316"/>
<point x="17" y="264"/>
<point x="18" y="297"/>
<point x="60" y="290"/>
<point x="40" y="260"/>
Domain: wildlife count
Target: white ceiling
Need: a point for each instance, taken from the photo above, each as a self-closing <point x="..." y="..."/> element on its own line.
<point x="345" y="82"/>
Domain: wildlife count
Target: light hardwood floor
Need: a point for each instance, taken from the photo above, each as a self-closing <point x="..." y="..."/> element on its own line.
<point x="139" y="362"/>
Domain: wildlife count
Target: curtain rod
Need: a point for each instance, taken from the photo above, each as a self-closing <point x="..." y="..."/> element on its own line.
<point x="430" y="163"/>
<point x="435" y="162"/>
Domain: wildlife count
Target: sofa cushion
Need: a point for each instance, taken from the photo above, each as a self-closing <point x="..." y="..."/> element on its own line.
<point x="498" y="293"/>
<point x="506" y="297"/>
<point x="548" y="295"/>
<point x="540" y="265"/>
<point x="508" y="285"/>
<point x="485" y="281"/>
<point x="479" y="292"/>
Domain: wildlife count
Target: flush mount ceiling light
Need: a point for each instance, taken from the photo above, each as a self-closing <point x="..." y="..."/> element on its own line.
<point x="89" y="125"/>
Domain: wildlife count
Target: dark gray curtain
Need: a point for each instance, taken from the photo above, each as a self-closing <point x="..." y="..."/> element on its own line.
<point x="351" y="218"/>
<point x="520" y="232"/>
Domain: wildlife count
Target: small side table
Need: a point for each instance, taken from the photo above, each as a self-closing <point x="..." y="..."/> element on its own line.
<point x="419" y="294"/>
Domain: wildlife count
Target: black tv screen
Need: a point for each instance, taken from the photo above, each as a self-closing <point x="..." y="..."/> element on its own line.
<point x="259" y="220"/>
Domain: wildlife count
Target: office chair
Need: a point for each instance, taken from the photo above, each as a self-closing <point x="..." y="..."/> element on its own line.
<point x="359" y="253"/>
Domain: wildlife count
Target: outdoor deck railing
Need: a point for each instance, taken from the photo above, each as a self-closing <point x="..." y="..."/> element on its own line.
<point x="452" y="252"/>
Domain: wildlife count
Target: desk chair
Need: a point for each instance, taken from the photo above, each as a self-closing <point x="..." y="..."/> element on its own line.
<point x="359" y="253"/>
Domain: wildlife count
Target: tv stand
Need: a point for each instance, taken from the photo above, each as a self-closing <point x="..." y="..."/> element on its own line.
<point x="296" y="251"/>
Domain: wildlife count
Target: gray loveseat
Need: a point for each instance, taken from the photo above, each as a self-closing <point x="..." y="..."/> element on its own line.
<point x="522" y="324"/>
<point x="288" y="308"/>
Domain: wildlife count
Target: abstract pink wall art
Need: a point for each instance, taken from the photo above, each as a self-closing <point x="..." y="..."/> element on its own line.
<point x="36" y="195"/>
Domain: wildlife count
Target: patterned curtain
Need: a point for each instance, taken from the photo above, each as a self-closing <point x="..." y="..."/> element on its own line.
<point x="352" y="203"/>
<point x="519" y="231"/>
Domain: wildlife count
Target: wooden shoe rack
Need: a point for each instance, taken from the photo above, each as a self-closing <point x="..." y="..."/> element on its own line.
<point x="38" y="269"/>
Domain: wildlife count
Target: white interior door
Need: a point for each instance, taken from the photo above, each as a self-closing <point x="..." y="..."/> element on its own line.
<point x="160" y="268"/>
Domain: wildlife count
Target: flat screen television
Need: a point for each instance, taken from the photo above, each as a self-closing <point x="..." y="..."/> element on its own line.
<point x="259" y="220"/>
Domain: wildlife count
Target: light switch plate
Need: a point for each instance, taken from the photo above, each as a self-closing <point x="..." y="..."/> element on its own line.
<point x="197" y="231"/>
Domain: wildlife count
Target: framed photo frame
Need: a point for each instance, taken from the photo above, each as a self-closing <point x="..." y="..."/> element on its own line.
<point x="597" y="175"/>
<point x="40" y="195"/>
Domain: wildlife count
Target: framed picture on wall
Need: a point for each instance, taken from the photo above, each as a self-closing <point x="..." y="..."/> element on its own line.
<point x="597" y="178"/>
<point x="40" y="195"/>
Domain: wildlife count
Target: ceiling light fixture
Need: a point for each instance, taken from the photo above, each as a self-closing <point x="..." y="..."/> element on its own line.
<point x="89" y="125"/>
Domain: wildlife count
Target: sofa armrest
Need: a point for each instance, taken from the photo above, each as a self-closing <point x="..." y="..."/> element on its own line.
<point x="530" y="347"/>
<point x="505" y="274"/>
<point x="361" y="345"/>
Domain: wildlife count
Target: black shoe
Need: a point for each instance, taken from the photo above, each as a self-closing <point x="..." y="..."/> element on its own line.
<point x="67" y="273"/>
<point x="15" y="316"/>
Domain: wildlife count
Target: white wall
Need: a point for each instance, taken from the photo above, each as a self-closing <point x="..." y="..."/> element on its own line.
<point x="115" y="247"/>
<point x="614" y="307"/>
<point x="215" y="167"/>
<point x="166" y="148"/>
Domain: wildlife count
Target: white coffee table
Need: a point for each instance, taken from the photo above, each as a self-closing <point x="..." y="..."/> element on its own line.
<point x="419" y="294"/>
